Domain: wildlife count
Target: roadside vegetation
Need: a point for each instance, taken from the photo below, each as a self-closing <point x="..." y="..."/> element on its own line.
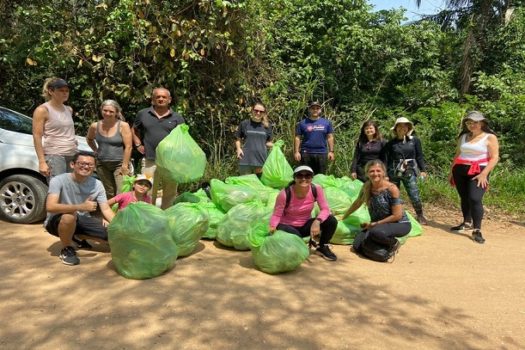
<point x="217" y="57"/>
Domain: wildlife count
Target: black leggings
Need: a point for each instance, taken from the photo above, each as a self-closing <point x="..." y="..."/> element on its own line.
<point x="386" y="233"/>
<point x="470" y="194"/>
<point x="316" y="161"/>
<point x="327" y="229"/>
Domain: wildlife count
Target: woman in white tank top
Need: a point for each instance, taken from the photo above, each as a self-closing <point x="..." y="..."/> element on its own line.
<point x="53" y="129"/>
<point x="477" y="154"/>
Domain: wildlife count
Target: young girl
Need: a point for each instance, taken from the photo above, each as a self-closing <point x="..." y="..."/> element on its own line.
<point x="141" y="186"/>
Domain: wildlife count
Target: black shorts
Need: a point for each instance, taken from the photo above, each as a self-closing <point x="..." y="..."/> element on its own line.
<point x="86" y="225"/>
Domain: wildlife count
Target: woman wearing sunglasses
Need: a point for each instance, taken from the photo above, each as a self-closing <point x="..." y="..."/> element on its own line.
<point x="293" y="212"/>
<point x="256" y="134"/>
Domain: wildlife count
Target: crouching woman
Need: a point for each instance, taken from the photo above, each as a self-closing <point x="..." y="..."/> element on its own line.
<point x="388" y="218"/>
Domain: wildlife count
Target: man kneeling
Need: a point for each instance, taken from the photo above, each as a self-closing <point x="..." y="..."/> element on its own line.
<point x="71" y="199"/>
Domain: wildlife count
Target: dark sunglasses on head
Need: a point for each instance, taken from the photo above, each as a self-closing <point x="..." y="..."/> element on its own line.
<point x="303" y="176"/>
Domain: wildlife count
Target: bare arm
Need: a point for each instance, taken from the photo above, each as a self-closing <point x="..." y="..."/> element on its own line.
<point x="297" y="148"/>
<point x="136" y="140"/>
<point x="125" y="131"/>
<point x="330" y="140"/>
<point x="493" y="150"/>
<point x="90" y="137"/>
<point x="106" y="211"/>
<point x="40" y="116"/>
<point x="238" y="149"/>
<point x="355" y="205"/>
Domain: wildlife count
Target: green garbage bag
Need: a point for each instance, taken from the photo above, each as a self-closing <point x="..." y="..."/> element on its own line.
<point x="180" y="157"/>
<point x="338" y="200"/>
<point x="344" y="233"/>
<point x="140" y="241"/>
<point x="187" y="223"/>
<point x="325" y="180"/>
<point x="127" y="183"/>
<point x="416" y="230"/>
<point x="276" y="172"/>
<point x="227" y="196"/>
<point x="272" y="198"/>
<point x="358" y="217"/>
<point x="349" y="186"/>
<point x="278" y="253"/>
<point x="203" y="196"/>
<point x="242" y="219"/>
<point x="253" y="182"/>
<point x="187" y="197"/>
<point x="215" y="217"/>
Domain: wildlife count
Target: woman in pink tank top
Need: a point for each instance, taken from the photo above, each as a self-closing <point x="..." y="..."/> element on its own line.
<point x="477" y="154"/>
<point x="53" y="129"/>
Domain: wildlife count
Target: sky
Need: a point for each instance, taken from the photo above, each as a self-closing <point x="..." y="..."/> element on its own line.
<point x="427" y="6"/>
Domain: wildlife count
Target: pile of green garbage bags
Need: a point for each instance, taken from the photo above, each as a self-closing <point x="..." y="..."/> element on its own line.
<point x="146" y="241"/>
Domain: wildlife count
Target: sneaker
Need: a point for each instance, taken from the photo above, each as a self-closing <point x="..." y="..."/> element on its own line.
<point x="477" y="237"/>
<point x="69" y="256"/>
<point x="82" y="243"/>
<point x="461" y="227"/>
<point x="422" y="219"/>
<point x="326" y="253"/>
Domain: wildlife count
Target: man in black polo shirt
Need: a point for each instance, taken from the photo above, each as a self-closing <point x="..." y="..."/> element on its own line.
<point x="151" y="126"/>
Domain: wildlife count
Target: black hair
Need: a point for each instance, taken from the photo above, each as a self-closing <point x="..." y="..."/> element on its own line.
<point x="83" y="154"/>
<point x="363" y="138"/>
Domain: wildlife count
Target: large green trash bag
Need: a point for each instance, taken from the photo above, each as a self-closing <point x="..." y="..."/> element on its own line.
<point x="253" y="182"/>
<point x="140" y="241"/>
<point x="277" y="253"/>
<point x="338" y="200"/>
<point x="180" y="157"/>
<point x="187" y="197"/>
<point x="240" y="221"/>
<point x="344" y="233"/>
<point x="272" y="198"/>
<point x="227" y="196"/>
<point x="187" y="223"/>
<point x="416" y="230"/>
<point x="325" y="180"/>
<point x="277" y="173"/>
<point x="358" y="217"/>
<point x="202" y="195"/>
<point x="351" y="187"/>
<point x="215" y="217"/>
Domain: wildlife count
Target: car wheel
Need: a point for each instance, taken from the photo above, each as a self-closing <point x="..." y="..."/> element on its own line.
<point x="22" y="199"/>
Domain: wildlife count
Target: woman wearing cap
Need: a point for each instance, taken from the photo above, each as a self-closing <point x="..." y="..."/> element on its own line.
<point x="53" y="129"/>
<point x="477" y="154"/>
<point x="388" y="218"/>
<point x="369" y="147"/>
<point x="404" y="161"/>
<point x="293" y="212"/>
<point x="141" y="186"/>
<point x="256" y="133"/>
<point x="110" y="139"/>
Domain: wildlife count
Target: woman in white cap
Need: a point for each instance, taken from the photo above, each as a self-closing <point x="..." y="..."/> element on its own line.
<point x="141" y="186"/>
<point x="293" y="212"/>
<point x="53" y="129"/>
<point x="477" y="154"/>
<point x="256" y="134"/>
<point x="110" y="139"/>
<point x="405" y="161"/>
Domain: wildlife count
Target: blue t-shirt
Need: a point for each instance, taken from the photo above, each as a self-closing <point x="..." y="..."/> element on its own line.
<point x="314" y="134"/>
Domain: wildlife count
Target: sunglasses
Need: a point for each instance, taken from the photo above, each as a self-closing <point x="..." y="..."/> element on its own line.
<point x="305" y="176"/>
<point x="85" y="165"/>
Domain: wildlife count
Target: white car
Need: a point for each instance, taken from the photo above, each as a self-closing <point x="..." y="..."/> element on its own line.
<point x="23" y="189"/>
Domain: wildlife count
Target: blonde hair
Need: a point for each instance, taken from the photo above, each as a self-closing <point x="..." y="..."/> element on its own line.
<point x="366" y="190"/>
<point x="115" y="105"/>
<point x="45" y="89"/>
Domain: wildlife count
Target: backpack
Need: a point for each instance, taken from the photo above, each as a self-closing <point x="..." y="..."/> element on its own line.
<point x="371" y="249"/>
<point x="288" y="192"/>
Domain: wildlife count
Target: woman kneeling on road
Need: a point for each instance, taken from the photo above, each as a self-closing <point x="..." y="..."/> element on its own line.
<point x="293" y="212"/>
<point x="389" y="219"/>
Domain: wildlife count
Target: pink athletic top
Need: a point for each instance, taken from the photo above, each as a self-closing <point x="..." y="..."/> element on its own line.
<point x="299" y="210"/>
<point x="123" y="199"/>
<point x="59" y="132"/>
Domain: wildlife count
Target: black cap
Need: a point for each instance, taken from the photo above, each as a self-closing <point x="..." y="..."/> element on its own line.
<point x="315" y="103"/>
<point x="57" y="84"/>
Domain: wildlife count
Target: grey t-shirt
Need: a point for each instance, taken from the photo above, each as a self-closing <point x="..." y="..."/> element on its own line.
<point x="255" y="136"/>
<point x="72" y="192"/>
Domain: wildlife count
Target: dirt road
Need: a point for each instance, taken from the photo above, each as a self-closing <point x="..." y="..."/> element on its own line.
<point x="442" y="292"/>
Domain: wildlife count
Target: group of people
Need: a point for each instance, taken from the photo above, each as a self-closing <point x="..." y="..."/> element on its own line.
<point x="74" y="195"/>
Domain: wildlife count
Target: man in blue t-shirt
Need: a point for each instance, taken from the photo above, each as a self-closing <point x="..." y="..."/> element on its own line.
<point x="314" y="140"/>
